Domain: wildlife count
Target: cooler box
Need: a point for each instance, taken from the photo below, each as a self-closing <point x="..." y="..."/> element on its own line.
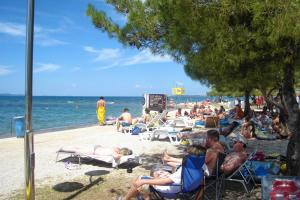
<point x="19" y="126"/>
<point x="281" y="187"/>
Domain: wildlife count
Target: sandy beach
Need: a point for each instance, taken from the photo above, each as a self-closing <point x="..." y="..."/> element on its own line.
<point x="48" y="172"/>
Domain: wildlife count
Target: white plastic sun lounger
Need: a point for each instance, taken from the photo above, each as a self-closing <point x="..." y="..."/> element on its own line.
<point x="90" y="153"/>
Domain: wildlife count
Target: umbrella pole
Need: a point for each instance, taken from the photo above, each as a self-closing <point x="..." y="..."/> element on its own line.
<point x="29" y="155"/>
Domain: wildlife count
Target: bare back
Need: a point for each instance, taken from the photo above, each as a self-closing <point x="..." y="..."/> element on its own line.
<point x="126" y="117"/>
<point x="100" y="103"/>
<point x="212" y="155"/>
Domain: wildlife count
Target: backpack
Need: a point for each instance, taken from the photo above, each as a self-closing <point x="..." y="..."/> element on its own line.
<point x="136" y="130"/>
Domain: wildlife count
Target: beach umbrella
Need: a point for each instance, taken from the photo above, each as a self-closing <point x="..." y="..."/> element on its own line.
<point x="29" y="155"/>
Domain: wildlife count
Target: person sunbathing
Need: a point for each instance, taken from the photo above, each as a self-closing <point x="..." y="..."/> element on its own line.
<point x="277" y="127"/>
<point x="228" y="129"/>
<point x="125" y="119"/>
<point x="193" y="112"/>
<point x="248" y="128"/>
<point x="222" y="131"/>
<point x="161" y="180"/>
<point x="208" y="111"/>
<point x="178" y="113"/>
<point x="239" y="114"/>
<point x="187" y="135"/>
<point x="214" y="147"/>
<point x="116" y="152"/>
<point x="235" y="159"/>
<point x="144" y="119"/>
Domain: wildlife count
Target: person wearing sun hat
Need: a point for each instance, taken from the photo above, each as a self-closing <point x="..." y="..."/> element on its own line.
<point x="237" y="157"/>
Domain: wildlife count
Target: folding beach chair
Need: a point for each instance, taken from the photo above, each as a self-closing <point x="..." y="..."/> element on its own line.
<point x="191" y="186"/>
<point x="213" y="182"/>
<point x="242" y="175"/>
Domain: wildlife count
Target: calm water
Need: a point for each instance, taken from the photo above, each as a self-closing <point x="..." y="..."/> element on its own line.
<point x="66" y="112"/>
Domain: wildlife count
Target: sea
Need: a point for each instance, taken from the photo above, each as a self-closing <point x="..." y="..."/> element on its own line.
<point x="50" y="113"/>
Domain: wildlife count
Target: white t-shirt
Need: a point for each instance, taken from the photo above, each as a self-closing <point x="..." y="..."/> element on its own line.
<point x="176" y="178"/>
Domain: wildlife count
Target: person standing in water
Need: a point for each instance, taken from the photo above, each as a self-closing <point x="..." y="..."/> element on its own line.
<point x="101" y="110"/>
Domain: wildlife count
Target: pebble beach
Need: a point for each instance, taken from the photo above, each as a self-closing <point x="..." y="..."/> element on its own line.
<point x="48" y="172"/>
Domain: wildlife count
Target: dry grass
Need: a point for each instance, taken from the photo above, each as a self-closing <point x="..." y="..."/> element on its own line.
<point x="102" y="185"/>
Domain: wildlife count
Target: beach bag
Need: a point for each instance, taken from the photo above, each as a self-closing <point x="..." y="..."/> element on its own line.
<point x="259" y="156"/>
<point x="136" y="130"/>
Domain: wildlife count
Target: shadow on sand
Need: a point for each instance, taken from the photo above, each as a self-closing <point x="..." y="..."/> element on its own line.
<point x="73" y="186"/>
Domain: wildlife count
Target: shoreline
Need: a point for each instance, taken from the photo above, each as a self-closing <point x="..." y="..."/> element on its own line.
<point x="50" y="130"/>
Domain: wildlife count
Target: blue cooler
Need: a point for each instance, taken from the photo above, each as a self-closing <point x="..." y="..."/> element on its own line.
<point x="19" y="126"/>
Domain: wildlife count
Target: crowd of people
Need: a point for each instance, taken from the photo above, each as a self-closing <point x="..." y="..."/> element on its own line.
<point x="247" y="125"/>
<point x="165" y="181"/>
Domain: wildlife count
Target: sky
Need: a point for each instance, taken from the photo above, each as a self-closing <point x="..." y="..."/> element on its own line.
<point x="73" y="58"/>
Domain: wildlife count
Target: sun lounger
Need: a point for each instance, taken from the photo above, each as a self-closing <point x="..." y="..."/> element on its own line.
<point x="181" y="123"/>
<point x="156" y="121"/>
<point x="160" y="134"/>
<point x="91" y="153"/>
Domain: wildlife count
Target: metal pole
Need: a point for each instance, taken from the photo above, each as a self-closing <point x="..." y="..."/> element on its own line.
<point x="29" y="155"/>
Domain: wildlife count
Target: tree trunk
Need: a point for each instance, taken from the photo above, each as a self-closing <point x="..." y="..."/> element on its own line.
<point x="289" y="97"/>
<point x="247" y="102"/>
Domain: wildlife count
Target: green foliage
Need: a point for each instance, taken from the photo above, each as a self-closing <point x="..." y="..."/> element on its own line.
<point x="231" y="45"/>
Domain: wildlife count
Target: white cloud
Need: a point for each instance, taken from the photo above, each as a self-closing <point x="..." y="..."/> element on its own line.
<point x="46" y="67"/>
<point x="41" y="33"/>
<point x="46" y="41"/>
<point x="142" y="57"/>
<point x="13" y="29"/>
<point x="115" y="64"/>
<point x="4" y="70"/>
<point x="103" y="54"/>
<point x="146" y="57"/>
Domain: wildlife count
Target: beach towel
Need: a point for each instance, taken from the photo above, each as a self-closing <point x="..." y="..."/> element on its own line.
<point x="101" y="114"/>
<point x="263" y="135"/>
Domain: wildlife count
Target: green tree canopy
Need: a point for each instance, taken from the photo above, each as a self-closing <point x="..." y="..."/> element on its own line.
<point x="230" y="45"/>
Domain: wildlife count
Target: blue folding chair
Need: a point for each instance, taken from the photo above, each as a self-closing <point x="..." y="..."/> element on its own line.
<point x="192" y="176"/>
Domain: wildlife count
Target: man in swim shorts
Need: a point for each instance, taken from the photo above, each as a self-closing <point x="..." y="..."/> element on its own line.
<point x="125" y="119"/>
